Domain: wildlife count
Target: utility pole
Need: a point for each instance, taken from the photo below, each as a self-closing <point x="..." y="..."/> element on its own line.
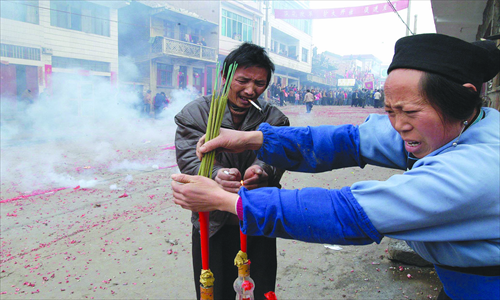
<point x="266" y="36"/>
<point x="266" y="29"/>
<point x="415" y="25"/>
<point x="408" y="18"/>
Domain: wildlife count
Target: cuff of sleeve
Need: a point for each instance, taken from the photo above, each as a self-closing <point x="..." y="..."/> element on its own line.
<point x="239" y="208"/>
<point x="265" y="128"/>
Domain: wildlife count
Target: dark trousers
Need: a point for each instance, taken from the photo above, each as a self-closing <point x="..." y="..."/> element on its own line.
<point x="309" y="106"/>
<point x="223" y="247"/>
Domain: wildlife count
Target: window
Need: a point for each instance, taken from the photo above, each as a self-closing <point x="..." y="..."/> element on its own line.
<point x="236" y="27"/>
<point x="274" y="46"/>
<point x="183" y="34"/>
<point x="81" y="16"/>
<point x="282" y="49"/>
<point x="20" y="52"/>
<point x="164" y="74"/>
<point x="75" y="63"/>
<point x="24" y="11"/>
<point x="169" y="29"/>
<point x="305" y="54"/>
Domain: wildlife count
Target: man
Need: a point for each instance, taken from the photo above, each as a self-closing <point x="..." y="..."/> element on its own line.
<point x="376" y="99"/>
<point x="282" y="96"/>
<point x="309" y="100"/>
<point x="355" y="98"/>
<point x="362" y="98"/>
<point x="250" y="80"/>
<point x="148" y="102"/>
<point x="160" y="102"/>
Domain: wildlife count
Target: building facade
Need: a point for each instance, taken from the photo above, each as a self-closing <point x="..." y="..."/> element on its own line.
<point x="288" y="42"/>
<point x="46" y="42"/>
<point x="174" y="44"/>
<point x="472" y="20"/>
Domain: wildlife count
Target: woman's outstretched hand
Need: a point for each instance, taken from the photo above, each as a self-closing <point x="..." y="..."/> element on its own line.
<point x="233" y="141"/>
<point x="198" y="193"/>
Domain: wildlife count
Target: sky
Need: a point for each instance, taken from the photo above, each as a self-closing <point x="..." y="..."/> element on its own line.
<point x="371" y="34"/>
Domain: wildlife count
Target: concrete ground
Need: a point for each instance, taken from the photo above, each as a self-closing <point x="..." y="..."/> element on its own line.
<point x="94" y="219"/>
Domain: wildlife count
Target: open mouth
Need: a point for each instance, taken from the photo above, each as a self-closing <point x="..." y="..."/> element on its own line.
<point x="412" y="143"/>
<point x="245" y="100"/>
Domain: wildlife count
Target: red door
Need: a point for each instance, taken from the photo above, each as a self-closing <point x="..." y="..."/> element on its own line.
<point x="8" y="85"/>
<point x="8" y="89"/>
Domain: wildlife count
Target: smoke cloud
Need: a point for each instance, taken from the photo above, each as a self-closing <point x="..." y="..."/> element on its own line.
<point x="84" y="130"/>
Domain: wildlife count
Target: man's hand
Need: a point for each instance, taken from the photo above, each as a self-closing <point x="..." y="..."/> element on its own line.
<point x="255" y="177"/>
<point x="198" y="193"/>
<point x="232" y="141"/>
<point x="229" y="179"/>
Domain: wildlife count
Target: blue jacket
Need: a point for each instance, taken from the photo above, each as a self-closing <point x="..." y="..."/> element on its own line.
<point x="447" y="207"/>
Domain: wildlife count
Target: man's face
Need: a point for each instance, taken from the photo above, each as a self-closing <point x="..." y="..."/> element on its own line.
<point x="248" y="84"/>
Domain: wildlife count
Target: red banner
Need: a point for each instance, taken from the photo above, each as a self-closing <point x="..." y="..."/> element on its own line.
<point x="346" y="12"/>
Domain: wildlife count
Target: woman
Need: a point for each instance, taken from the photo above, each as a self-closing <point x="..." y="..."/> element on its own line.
<point x="446" y="205"/>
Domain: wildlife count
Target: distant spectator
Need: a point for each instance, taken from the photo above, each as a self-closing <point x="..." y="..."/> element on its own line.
<point x="148" y="102"/>
<point x="160" y="103"/>
<point x="376" y="99"/>
<point x="309" y="100"/>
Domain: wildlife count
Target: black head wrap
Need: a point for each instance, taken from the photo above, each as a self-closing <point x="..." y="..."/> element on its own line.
<point x="453" y="58"/>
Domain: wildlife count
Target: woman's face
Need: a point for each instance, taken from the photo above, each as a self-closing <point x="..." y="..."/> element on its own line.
<point x="419" y="124"/>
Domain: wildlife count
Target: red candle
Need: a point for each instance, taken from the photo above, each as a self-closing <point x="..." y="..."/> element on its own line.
<point x="243" y="241"/>
<point x="204" y="217"/>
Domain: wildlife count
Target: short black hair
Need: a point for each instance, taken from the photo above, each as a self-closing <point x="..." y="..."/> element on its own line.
<point x="453" y="100"/>
<point x="250" y="55"/>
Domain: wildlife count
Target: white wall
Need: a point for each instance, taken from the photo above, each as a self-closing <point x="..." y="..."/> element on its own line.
<point x="78" y="44"/>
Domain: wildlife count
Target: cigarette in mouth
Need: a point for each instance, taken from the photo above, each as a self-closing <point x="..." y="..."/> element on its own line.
<point x="255" y="105"/>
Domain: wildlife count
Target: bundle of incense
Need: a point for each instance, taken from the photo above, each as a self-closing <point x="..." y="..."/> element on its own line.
<point x="217" y="108"/>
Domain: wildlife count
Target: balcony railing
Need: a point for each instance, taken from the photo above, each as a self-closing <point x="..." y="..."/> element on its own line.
<point x="167" y="46"/>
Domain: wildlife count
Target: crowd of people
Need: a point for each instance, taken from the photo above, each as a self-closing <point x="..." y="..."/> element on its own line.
<point x="293" y="95"/>
<point x="286" y="95"/>
<point x="153" y="106"/>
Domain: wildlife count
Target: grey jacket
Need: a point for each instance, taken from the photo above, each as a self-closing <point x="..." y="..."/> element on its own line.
<point x="309" y="97"/>
<point x="192" y="124"/>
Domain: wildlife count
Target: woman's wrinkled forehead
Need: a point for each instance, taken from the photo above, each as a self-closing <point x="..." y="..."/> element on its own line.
<point x="403" y="86"/>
